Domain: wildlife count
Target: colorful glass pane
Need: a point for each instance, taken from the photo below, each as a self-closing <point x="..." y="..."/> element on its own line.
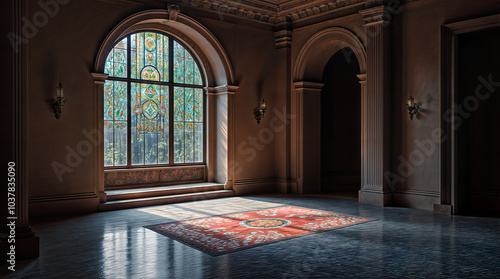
<point x="150" y="109"/>
<point x="198" y="142"/>
<point x="185" y="68"/>
<point x="189" y="78"/>
<point x="150" y="43"/>
<point x="179" y="142"/>
<point x="150" y="124"/>
<point x="189" y="104"/>
<point x="178" y="104"/>
<point x="120" y="100"/>
<point x="108" y="100"/>
<point x="188" y="121"/>
<point x="116" y="62"/>
<point x="149" y="50"/>
<point x="150" y="73"/>
<point x="198" y="105"/>
<point x="179" y="56"/>
<point x="115" y="123"/>
<point x="149" y="103"/>
<point x="165" y="72"/>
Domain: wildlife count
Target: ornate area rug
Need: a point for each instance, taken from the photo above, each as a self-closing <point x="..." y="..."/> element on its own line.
<point x="229" y="233"/>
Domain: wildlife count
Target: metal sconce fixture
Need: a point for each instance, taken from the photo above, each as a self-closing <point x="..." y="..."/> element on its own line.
<point x="412" y="107"/>
<point x="59" y="102"/>
<point x="259" y="112"/>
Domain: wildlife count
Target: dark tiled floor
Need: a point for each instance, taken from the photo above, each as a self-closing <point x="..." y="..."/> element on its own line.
<point x="402" y="243"/>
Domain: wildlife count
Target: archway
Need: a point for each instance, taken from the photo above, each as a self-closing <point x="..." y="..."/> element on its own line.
<point x="340" y="126"/>
<point x="306" y="103"/>
<point x="218" y="74"/>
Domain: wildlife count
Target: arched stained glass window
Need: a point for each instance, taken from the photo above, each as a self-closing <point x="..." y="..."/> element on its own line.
<point x="153" y="103"/>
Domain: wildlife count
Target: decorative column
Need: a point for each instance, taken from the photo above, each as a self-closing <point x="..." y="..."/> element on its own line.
<point x="376" y="146"/>
<point x="15" y="203"/>
<point x="362" y="82"/>
<point x="221" y="126"/>
<point x="98" y="134"/>
<point x="306" y="106"/>
<point x="280" y="123"/>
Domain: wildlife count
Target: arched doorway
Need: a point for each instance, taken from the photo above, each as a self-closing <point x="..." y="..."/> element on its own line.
<point x="306" y="101"/>
<point x="340" y="126"/>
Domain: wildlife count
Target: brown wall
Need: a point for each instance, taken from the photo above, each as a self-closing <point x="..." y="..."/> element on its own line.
<point x="66" y="47"/>
<point x="417" y="62"/>
<point x="416" y="68"/>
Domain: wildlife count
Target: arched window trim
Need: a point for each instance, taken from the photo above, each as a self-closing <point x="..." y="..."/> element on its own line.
<point x="171" y="84"/>
<point x="221" y="90"/>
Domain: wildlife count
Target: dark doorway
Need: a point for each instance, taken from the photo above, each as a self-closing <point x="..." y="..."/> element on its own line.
<point x="341" y="126"/>
<point x="478" y="126"/>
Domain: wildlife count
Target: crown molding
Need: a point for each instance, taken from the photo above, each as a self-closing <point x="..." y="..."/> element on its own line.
<point x="265" y="11"/>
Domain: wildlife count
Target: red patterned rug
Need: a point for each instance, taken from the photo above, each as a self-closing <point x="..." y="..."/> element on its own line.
<point x="229" y="233"/>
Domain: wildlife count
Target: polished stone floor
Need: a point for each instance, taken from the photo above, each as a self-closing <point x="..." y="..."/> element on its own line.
<point x="402" y="243"/>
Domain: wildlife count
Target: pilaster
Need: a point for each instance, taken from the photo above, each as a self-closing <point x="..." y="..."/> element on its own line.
<point x="306" y="107"/>
<point x="376" y="122"/>
<point x="223" y="129"/>
<point x="281" y="127"/>
<point x="98" y="134"/>
<point x="17" y="228"/>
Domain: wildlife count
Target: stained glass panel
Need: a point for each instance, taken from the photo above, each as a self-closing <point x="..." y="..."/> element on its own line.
<point x="179" y="56"/>
<point x="178" y="104"/>
<point x="115" y="123"/>
<point x="185" y="68"/>
<point x="179" y="142"/>
<point x="198" y="142"/>
<point x="116" y="63"/>
<point x="150" y="104"/>
<point x="150" y="73"/>
<point x="149" y="51"/>
<point x="198" y="105"/>
<point x="188" y="122"/>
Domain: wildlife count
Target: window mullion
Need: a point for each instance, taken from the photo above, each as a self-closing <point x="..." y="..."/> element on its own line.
<point x="171" y="101"/>
<point x="129" y="109"/>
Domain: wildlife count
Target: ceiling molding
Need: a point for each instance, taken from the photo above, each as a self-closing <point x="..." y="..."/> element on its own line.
<point x="266" y="11"/>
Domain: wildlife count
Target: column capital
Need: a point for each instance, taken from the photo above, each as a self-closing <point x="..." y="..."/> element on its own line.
<point x="99" y="78"/>
<point x="362" y="78"/>
<point x="221" y="90"/>
<point x="377" y="15"/>
<point x="307" y="85"/>
<point x="283" y="38"/>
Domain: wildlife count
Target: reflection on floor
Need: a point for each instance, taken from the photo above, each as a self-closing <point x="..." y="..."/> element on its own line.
<point x="401" y="243"/>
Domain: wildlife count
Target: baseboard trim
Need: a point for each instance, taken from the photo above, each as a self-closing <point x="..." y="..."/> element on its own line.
<point x="74" y="196"/>
<point x="59" y="205"/>
<point x="254" y="186"/>
<point x="416" y="199"/>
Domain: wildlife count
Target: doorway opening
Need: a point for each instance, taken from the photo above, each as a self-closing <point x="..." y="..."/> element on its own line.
<point x="341" y="126"/>
<point x="478" y="76"/>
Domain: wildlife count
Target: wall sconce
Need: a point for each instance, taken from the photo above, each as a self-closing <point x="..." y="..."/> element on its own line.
<point x="412" y="107"/>
<point x="259" y="112"/>
<point x="59" y="102"/>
